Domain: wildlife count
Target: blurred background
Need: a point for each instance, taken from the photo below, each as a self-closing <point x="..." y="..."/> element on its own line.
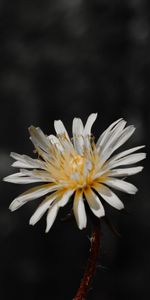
<point x="60" y="59"/>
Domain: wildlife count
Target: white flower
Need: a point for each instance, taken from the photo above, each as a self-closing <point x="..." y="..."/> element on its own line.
<point x="79" y="167"/>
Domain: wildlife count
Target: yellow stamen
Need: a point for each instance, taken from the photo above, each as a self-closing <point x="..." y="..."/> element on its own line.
<point x="77" y="163"/>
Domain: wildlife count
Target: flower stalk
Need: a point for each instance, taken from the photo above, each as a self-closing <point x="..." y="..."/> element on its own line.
<point x="92" y="262"/>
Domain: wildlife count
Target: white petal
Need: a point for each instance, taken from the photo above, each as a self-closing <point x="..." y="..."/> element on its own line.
<point x="87" y="167"/>
<point x="125" y="153"/>
<point x="14" y="175"/>
<point x="63" y="136"/>
<point x="24" y="161"/>
<point x="94" y="203"/>
<point x="17" y="178"/>
<point x="90" y="121"/>
<point x="114" y="135"/>
<point x="79" y="210"/>
<point x="55" y="141"/>
<point x="108" y="146"/>
<point x="51" y="216"/>
<point x="65" y="198"/>
<point x="23" y="180"/>
<point x="39" y="139"/>
<point x="40" y="211"/>
<point x="60" y="128"/>
<point x="109" y="196"/>
<point x="19" y="164"/>
<point x="127" y="160"/>
<point x="100" y="173"/>
<point x="43" y="174"/>
<point x="32" y="194"/>
<point x="121" y="185"/>
<point x="125" y="172"/>
<point x="77" y="130"/>
<point x="77" y="126"/>
<point x="103" y="136"/>
<point x="126" y="134"/>
<point x="26" y="176"/>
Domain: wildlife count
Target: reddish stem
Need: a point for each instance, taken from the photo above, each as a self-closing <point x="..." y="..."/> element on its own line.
<point x="91" y="264"/>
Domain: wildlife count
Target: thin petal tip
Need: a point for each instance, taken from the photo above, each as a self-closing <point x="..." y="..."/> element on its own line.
<point x="81" y="227"/>
<point x="7" y="179"/>
<point x="12" y="154"/>
<point x="31" y="129"/>
<point x="117" y="204"/>
<point x="141" y="169"/>
<point x="46" y="230"/>
<point x="94" y="114"/>
<point x="31" y="222"/>
<point x="12" y="207"/>
<point x="13" y="164"/>
<point x="135" y="190"/>
<point x="4" y="179"/>
<point x="121" y="206"/>
<point x="102" y="214"/>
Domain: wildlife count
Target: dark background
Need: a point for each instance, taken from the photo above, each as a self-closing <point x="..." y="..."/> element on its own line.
<point x="60" y="59"/>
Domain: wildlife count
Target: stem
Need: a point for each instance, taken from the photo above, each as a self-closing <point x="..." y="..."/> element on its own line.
<point x="91" y="264"/>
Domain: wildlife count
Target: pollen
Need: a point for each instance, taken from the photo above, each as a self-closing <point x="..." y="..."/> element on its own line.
<point x="77" y="163"/>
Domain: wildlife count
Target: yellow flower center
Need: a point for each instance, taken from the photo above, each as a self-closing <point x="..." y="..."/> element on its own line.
<point x="73" y="170"/>
<point x="77" y="163"/>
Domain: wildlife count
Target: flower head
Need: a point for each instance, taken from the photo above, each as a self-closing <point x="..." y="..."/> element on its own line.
<point x="77" y="167"/>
